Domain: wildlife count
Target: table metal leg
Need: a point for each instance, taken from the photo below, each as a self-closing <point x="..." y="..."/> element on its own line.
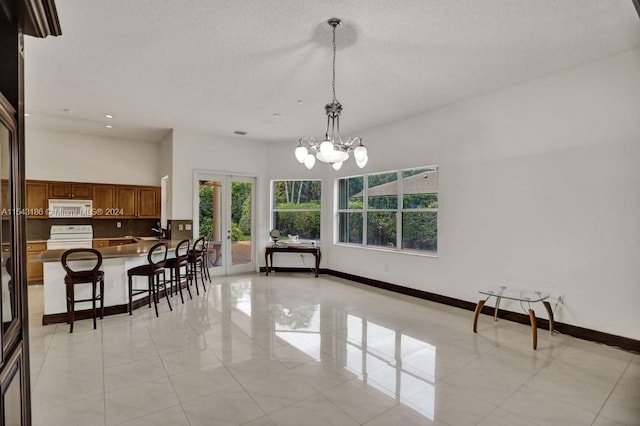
<point x="534" y="329"/>
<point x="475" y="316"/>
<point x="495" y="310"/>
<point x="552" y="324"/>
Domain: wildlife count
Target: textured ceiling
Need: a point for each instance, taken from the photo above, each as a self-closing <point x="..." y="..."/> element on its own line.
<point x="226" y="65"/>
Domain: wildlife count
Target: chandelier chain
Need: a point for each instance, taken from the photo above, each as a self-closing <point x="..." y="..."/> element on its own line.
<point x="333" y="84"/>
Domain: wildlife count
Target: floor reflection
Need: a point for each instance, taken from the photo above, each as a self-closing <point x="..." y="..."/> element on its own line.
<point x="396" y="364"/>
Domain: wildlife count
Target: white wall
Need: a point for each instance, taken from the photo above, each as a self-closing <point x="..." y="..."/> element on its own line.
<point x="55" y="155"/>
<point x="166" y="169"/>
<point x="538" y="188"/>
<point x="224" y="155"/>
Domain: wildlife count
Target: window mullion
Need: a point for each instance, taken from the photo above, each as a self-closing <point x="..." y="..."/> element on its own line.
<point x="399" y="208"/>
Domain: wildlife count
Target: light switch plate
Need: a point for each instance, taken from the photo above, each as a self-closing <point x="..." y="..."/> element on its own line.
<point x="118" y="224"/>
<point x="180" y="227"/>
<point x="187" y="227"/>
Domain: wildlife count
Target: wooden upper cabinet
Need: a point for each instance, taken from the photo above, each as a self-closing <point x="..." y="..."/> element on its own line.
<point x="109" y="201"/>
<point x="104" y="201"/>
<point x="148" y="199"/>
<point x="80" y="191"/>
<point x="37" y="201"/>
<point x="126" y="200"/>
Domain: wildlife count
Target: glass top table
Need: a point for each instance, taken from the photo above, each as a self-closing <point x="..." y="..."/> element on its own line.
<point x="524" y="296"/>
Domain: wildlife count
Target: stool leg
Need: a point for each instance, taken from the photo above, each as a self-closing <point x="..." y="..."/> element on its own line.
<point x="178" y="281"/>
<point x="130" y="294"/>
<point x="72" y="304"/>
<point x="102" y="299"/>
<point x="201" y="262"/>
<point x="93" y="303"/>
<point x="152" y="288"/>
<point x="187" y="277"/>
<point x="194" y="277"/>
<point x="165" y="289"/>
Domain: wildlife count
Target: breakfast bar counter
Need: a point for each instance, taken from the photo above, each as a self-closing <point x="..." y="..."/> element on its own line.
<point x="116" y="261"/>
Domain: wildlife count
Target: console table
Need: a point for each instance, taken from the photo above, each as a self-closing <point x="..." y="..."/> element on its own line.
<point x="268" y="254"/>
<point x="521" y="295"/>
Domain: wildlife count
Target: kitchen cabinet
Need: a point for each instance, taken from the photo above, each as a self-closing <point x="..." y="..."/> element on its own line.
<point x="148" y="199"/>
<point x="104" y="197"/>
<point x="126" y="200"/>
<point x="79" y="191"/>
<point x="138" y="201"/>
<point x="100" y="243"/>
<point x="37" y="202"/>
<point x="34" y="270"/>
<point x="109" y="201"/>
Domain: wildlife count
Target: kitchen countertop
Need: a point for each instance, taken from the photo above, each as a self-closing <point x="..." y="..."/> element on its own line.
<point x="138" y="249"/>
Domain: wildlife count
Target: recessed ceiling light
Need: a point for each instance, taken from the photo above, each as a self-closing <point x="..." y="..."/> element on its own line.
<point x="68" y="111"/>
<point x="300" y="101"/>
<point x="277" y="115"/>
<point x="109" y="126"/>
<point x="108" y="115"/>
<point x="240" y="132"/>
<point x="26" y="114"/>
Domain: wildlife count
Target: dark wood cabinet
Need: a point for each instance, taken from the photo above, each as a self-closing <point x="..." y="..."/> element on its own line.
<point x="37" y="202"/>
<point x="104" y="198"/>
<point x="126" y="200"/>
<point x="34" y="270"/>
<point x="138" y="201"/>
<point x="79" y="191"/>
<point x="109" y="201"/>
<point x="148" y="199"/>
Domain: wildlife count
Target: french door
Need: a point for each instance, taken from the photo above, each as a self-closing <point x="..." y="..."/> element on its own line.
<point x="224" y="212"/>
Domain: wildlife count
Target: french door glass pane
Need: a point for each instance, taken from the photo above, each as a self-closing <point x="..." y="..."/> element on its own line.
<point x="241" y="208"/>
<point x="210" y="218"/>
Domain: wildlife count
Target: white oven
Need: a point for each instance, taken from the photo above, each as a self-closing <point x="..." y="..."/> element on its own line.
<point x="70" y="236"/>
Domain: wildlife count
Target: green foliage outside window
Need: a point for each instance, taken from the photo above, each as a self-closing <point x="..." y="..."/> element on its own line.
<point x="296" y="208"/>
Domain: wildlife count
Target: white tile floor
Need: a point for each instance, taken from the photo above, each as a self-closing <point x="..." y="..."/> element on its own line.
<point x="293" y="350"/>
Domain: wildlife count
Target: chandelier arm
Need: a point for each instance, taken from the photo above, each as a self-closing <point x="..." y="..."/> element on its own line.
<point x="326" y="135"/>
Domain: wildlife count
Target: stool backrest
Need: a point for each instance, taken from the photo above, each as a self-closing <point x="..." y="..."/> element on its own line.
<point x="159" y="248"/>
<point x="198" y="245"/>
<point x="182" y="245"/>
<point x="81" y="254"/>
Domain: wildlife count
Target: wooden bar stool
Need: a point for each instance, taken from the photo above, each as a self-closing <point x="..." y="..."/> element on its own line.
<point x="196" y="262"/>
<point x="152" y="271"/>
<point x="87" y="276"/>
<point x="175" y="265"/>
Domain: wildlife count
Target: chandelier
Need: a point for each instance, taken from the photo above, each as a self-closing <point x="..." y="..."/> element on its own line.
<point x="332" y="150"/>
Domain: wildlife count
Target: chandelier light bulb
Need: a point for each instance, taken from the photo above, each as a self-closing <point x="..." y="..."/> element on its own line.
<point x="362" y="163"/>
<point x="301" y="153"/>
<point x="337" y="166"/>
<point x="360" y="153"/>
<point x="310" y="161"/>
<point x="326" y="148"/>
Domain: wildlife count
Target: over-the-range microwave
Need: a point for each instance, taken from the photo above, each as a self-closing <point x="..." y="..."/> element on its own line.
<point x="70" y="208"/>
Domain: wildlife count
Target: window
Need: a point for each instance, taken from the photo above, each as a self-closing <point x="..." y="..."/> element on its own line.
<point x="395" y="210"/>
<point x="296" y="209"/>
